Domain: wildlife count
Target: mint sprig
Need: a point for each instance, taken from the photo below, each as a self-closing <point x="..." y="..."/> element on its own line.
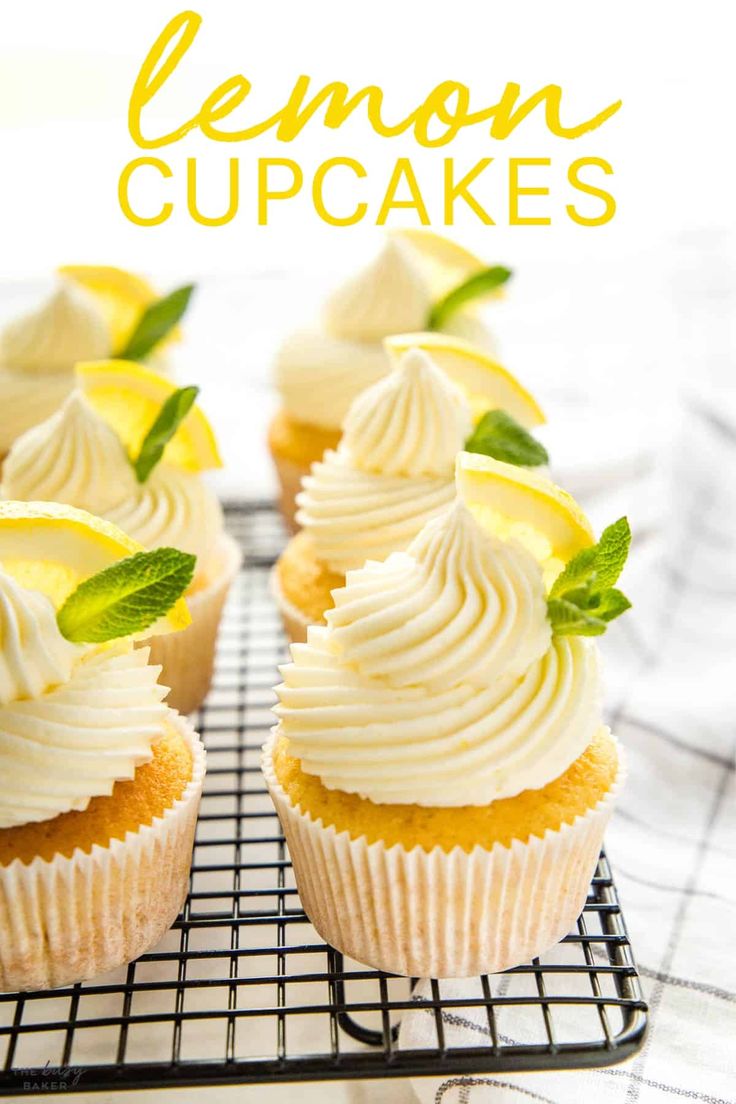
<point x="488" y="279"/>
<point x="500" y="436"/>
<point x="127" y="597"/>
<point x="158" y="319"/>
<point x="172" y="413"/>
<point x="583" y="599"/>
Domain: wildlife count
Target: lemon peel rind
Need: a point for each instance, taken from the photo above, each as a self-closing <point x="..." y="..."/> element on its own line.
<point x="196" y="427"/>
<point x="109" y="540"/>
<point x="435" y="344"/>
<point x="528" y="498"/>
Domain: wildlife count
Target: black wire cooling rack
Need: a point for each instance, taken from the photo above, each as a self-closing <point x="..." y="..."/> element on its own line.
<point x="242" y="989"/>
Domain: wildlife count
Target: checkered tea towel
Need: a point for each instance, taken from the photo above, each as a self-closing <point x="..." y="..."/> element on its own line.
<point x="671" y="699"/>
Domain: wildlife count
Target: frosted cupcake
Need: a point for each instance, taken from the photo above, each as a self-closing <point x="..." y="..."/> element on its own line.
<point x="99" y="780"/>
<point x="91" y="313"/>
<point x="392" y="472"/>
<point x="321" y="369"/>
<point x="122" y="446"/>
<point x="440" y="766"/>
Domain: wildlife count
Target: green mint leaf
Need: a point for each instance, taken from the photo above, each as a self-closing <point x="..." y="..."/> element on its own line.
<point x="582" y="599"/>
<point x="567" y="619"/>
<point x="473" y="288"/>
<point x="127" y="597"/>
<point x="610" y="604"/>
<point x="613" y="548"/>
<point x="499" y="435"/>
<point x="158" y="319"/>
<point x="580" y="571"/>
<point x="172" y="413"/>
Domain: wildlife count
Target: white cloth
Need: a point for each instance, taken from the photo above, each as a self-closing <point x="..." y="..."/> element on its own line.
<point x="671" y="692"/>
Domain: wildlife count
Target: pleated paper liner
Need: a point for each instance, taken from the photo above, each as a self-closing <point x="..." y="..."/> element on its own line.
<point x="68" y="919"/>
<point x="187" y="658"/>
<point x="295" y="622"/>
<point x="441" y="914"/>
<point x="289" y="474"/>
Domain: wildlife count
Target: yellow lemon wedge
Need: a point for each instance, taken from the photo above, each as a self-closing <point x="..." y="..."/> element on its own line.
<point x="446" y="262"/>
<point x="129" y="397"/>
<point x="121" y="296"/>
<point x="485" y="383"/>
<point x="518" y="503"/>
<point x="51" y="547"/>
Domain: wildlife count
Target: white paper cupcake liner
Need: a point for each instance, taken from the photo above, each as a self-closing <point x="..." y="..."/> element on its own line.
<point x="441" y="914"/>
<point x="290" y="474"/>
<point x="295" y="622"/>
<point x="64" y="920"/>
<point x="188" y="657"/>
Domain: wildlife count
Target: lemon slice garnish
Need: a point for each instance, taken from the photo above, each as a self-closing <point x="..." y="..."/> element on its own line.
<point x="445" y="262"/>
<point x="517" y="503"/>
<point x="485" y="383"/>
<point x="129" y="397"/>
<point x="52" y="547"/>
<point x="121" y="296"/>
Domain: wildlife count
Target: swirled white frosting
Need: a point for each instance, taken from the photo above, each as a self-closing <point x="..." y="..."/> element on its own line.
<point x="393" y="469"/>
<point x="33" y="654"/>
<point x="76" y="457"/>
<point x="435" y="682"/>
<point x="457" y="606"/>
<point x="318" y="376"/>
<point x="390" y="295"/>
<point x="408" y="423"/>
<point x="65" y="328"/>
<point x="173" y="508"/>
<point x="38" y="351"/>
<point x="73" y="720"/>
<point x="26" y="401"/>
<point x="320" y="370"/>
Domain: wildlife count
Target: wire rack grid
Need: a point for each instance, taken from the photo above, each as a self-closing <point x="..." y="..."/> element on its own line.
<point x="242" y="989"/>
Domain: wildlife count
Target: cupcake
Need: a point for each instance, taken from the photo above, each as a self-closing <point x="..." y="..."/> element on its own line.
<point x="391" y="472"/>
<point x="440" y="766"/>
<point x="88" y="454"/>
<point x="321" y="369"/>
<point x="99" y="779"/>
<point x="91" y="313"/>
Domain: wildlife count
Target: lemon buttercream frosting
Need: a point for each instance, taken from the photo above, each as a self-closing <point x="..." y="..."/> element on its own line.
<point x="75" y="457"/>
<point x="34" y="656"/>
<point x="393" y="469"/>
<point x="65" y="328"/>
<point x="173" y="508"/>
<point x="459" y="606"/>
<point x="38" y="351"/>
<point x="436" y="680"/>
<point x="321" y="369"/>
<point x="73" y="719"/>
